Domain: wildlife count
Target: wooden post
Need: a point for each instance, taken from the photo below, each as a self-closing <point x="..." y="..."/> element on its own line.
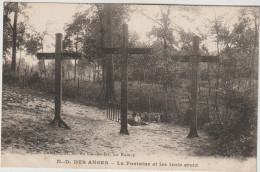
<point x="78" y="84"/>
<point x="124" y="51"/>
<point x="124" y="78"/>
<point x="150" y="110"/>
<point x="149" y="103"/>
<point x="45" y="71"/>
<point x="58" y="82"/>
<point x="117" y="114"/>
<point x="113" y="117"/>
<point x="113" y="113"/>
<point x="94" y="72"/>
<point x="75" y="69"/>
<point x="195" y="58"/>
<point x="166" y="108"/>
<point x="58" y="73"/>
<point x="109" y="116"/>
<point x="58" y="56"/>
<point x="194" y="88"/>
<point x="108" y="107"/>
<point x="107" y="111"/>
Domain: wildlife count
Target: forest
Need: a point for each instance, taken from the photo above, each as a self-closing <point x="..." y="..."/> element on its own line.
<point x="158" y="82"/>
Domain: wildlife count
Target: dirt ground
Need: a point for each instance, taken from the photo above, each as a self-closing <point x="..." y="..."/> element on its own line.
<point x="25" y="129"/>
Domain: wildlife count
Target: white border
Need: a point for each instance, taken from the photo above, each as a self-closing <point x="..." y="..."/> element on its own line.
<point x="181" y="2"/>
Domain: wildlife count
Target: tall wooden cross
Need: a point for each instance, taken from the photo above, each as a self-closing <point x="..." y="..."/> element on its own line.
<point x="195" y="58"/>
<point x="58" y="56"/>
<point x="124" y="51"/>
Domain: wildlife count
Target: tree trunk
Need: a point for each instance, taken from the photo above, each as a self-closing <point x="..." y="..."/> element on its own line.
<point x="110" y="88"/>
<point x="103" y="75"/>
<point x="218" y="66"/>
<point x="175" y="104"/>
<point x="209" y="92"/>
<point x="100" y="55"/>
<point x="40" y="67"/>
<point x="217" y="87"/>
<point x="165" y="108"/>
<point x="75" y="67"/>
<point x="18" y="68"/>
<point x="13" y="66"/>
<point x="254" y="52"/>
<point x="63" y="72"/>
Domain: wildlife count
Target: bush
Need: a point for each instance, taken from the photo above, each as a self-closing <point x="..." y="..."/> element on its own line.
<point x="236" y="132"/>
<point x="35" y="78"/>
<point x="10" y="77"/>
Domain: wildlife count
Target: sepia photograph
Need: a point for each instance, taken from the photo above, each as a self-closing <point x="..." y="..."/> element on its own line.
<point x="125" y="86"/>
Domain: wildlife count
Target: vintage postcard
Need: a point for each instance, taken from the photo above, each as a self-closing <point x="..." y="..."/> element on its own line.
<point x="129" y="86"/>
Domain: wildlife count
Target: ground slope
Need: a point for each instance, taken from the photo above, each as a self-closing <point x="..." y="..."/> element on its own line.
<point x="25" y="129"/>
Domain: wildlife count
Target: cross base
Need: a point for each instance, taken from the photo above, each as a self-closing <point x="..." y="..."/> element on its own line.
<point x="124" y="131"/>
<point x="193" y="134"/>
<point x="59" y="122"/>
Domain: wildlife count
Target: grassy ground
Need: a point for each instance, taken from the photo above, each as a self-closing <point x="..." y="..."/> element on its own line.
<point x="153" y="98"/>
<point x="25" y="129"/>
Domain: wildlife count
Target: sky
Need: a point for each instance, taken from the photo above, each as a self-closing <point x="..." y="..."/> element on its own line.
<point x="54" y="16"/>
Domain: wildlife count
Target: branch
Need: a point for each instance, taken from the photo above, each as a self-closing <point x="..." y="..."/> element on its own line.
<point x="150" y="18"/>
<point x="7" y="20"/>
<point x="168" y="13"/>
<point x="11" y="25"/>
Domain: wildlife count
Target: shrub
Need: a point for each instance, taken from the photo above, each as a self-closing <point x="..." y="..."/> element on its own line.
<point x="236" y="133"/>
<point x="35" y="78"/>
<point x="10" y="77"/>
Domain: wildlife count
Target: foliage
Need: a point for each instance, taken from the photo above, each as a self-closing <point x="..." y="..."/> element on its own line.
<point x="15" y="31"/>
<point x="7" y="28"/>
<point x="87" y="29"/>
<point x="159" y="78"/>
<point x="235" y="131"/>
<point x="33" y="44"/>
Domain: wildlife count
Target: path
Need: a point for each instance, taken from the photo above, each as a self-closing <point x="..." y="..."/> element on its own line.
<point x="25" y="129"/>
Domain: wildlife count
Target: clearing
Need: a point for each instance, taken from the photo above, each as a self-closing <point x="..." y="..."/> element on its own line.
<point x="25" y="129"/>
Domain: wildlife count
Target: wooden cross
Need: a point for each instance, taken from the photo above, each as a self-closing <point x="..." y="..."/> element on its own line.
<point x="195" y="58"/>
<point x="58" y="56"/>
<point x="124" y="51"/>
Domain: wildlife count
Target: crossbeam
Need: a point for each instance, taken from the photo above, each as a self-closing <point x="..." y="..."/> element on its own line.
<point x="64" y="56"/>
<point x="200" y="58"/>
<point x="129" y="50"/>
